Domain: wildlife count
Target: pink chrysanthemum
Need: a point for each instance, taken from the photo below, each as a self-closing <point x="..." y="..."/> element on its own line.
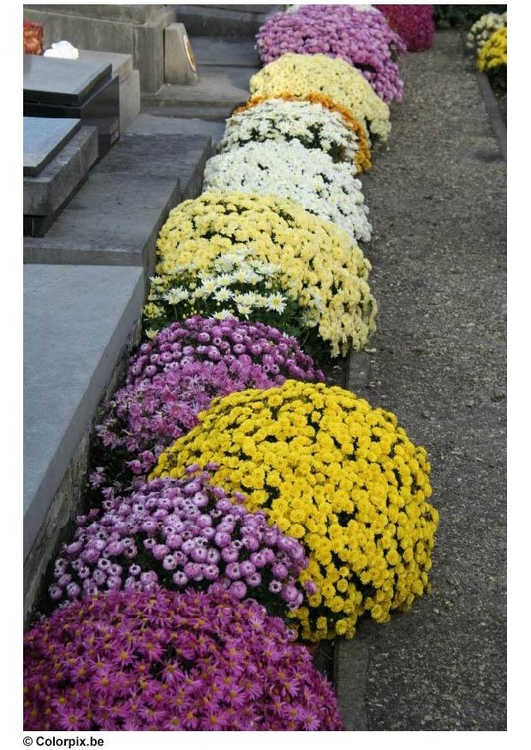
<point x="415" y="24"/>
<point x="182" y="533"/>
<point x="160" y="660"/>
<point x="364" y="40"/>
<point x="171" y="379"/>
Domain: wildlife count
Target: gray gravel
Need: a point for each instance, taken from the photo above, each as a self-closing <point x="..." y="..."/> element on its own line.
<point x="437" y="196"/>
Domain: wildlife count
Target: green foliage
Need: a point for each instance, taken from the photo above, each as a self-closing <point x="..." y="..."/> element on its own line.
<point x="462" y="16"/>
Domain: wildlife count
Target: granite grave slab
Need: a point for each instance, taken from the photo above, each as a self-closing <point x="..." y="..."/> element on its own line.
<point x="116" y="217"/>
<point x="48" y="192"/>
<point x="129" y="81"/>
<point x="43" y="138"/>
<point x="80" y="89"/>
<point x="52" y="80"/>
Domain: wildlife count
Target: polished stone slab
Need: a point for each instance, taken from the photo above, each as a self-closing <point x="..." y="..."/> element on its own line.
<point x="129" y="81"/>
<point x="101" y="107"/>
<point x="50" y="80"/>
<point x="43" y="138"/>
<point x="121" y="63"/>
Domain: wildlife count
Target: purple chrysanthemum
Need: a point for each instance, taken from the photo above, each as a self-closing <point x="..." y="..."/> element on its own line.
<point x="364" y="40"/>
<point x="182" y="533"/>
<point x="173" y="378"/>
<point x="162" y="660"/>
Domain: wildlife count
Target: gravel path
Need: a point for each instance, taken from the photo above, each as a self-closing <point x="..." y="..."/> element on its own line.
<point x="437" y="196"/>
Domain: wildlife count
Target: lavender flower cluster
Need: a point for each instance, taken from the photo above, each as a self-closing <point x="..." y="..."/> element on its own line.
<point x="414" y="23"/>
<point x="182" y="533"/>
<point x="252" y="351"/>
<point x="364" y="40"/>
<point x="164" y="660"/>
<point x="174" y="377"/>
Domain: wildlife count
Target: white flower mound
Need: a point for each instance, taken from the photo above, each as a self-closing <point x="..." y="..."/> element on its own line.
<point x="289" y="170"/>
<point x="312" y="124"/>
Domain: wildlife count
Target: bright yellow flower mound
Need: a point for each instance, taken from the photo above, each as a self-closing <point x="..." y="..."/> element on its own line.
<point x="494" y="53"/>
<point x="306" y="74"/>
<point x="338" y="475"/>
<point x="320" y="267"/>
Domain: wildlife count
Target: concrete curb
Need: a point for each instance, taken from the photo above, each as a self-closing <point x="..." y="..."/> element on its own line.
<point x="491" y="105"/>
<point x="351" y="658"/>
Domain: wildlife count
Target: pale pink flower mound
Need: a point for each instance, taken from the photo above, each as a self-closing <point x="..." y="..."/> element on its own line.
<point x="171" y="379"/>
<point x="181" y="533"/>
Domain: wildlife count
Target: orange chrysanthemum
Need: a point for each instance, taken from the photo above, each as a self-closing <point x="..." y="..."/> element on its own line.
<point x="363" y="156"/>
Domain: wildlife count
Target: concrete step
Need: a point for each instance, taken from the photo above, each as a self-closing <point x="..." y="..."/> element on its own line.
<point x="116" y="216"/>
<point x="225" y="52"/>
<point x="220" y="89"/>
<point x="163" y="124"/>
<point x="242" y="21"/>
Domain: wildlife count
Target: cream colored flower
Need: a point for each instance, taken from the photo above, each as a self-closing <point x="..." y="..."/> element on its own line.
<point x="318" y="265"/>
<point x="335" y="78"/>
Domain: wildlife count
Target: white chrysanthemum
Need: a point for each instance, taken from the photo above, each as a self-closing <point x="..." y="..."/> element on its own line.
<point x="208" y="286"/>
<point x="222" y="314"/>
<point x="312" y="124"/>
<point x="276" y="302"/>
<point x="214" y="282"/>
<point x="223" y="295"/>
<point x="176" y="295"/>
<point x="289" y="170"/>
<point x="483" y="28"/>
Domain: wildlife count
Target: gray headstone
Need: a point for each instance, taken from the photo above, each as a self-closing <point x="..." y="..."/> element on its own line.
<point x="179" y="59"/>
<point x="51" y="189"/>
<point x="54" y="80"/>
<point x="44" y="137"/>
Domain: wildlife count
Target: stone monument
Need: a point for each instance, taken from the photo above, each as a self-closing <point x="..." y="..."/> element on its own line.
<point x="76" y="89"/>
<point x="136" y="30"/>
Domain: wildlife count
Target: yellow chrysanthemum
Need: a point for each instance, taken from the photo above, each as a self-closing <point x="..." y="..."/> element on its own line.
<point x="319" y="266"/>
<point x="363" y="556"/>
<point x="494" y="53"/>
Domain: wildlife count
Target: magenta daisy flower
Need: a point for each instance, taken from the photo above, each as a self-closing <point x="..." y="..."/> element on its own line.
<point x="162" y="660"/>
